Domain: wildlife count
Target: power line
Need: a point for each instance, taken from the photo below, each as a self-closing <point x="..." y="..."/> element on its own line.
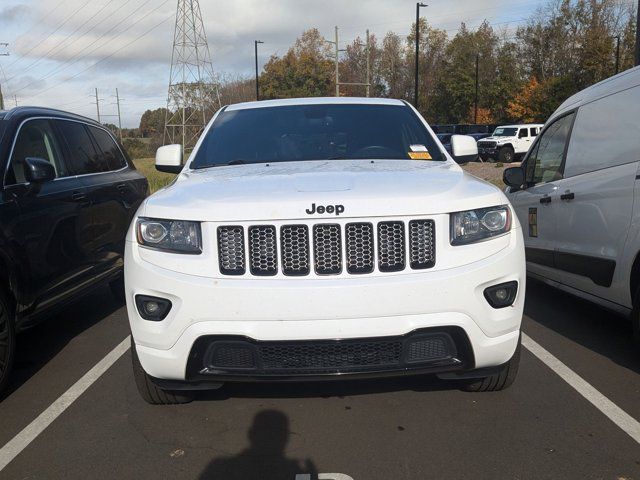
<point x="55" y="31"/>
<point x="105" y="58"/>
<point x="59" y="44"/>
<point x="73" y="60"/>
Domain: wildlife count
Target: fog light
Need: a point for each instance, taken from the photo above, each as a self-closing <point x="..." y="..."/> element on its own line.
<point x="152" y="308"/>
<point x="502" y="295"/>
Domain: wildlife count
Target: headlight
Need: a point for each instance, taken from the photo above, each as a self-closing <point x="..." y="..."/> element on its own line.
<point x="178" y="236"/>
<point x="477" y="225"/>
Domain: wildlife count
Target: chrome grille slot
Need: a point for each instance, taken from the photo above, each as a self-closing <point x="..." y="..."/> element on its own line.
<point x="231" y="250"/>
<point x="391" y="246"/>
<point x="263" y="252"/>
<point x="422" y="245"/>
<point x="359" y="238"/>
<point x="327" y="249"/>
<point x="294" y="247"/>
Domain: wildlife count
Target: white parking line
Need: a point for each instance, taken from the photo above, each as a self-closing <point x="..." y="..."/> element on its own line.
<point x="618" y="416"/>
<point x="18" y="443"/>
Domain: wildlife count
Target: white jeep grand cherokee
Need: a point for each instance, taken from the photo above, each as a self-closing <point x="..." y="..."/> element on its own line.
<point x="322" y="239"/>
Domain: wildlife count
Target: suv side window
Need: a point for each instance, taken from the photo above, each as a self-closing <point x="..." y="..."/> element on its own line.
<point x="534" y="131"/>
<point x="35" y="139"/>
<point x="545" y="162"/>
<point x="84" y="158"/>
<point x="523" y="133"/>
<point x="109" y="150"/>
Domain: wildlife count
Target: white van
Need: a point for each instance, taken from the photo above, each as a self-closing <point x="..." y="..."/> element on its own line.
<point x="576" y="196"/>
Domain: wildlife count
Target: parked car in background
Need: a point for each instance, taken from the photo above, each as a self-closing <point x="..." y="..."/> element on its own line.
<point x="508" y="142"/>
<point x="577" y="196"/>
<point x="336" y="241"/>
<point x="68" y="194"/>
<point x="445" y="139"/>
<point x="479" y="136"/>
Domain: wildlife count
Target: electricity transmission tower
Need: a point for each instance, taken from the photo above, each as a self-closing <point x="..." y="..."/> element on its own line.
<point x="193" y="93"/>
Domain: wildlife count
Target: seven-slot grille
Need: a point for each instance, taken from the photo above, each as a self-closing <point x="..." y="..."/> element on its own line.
<point x="331" y="248"/>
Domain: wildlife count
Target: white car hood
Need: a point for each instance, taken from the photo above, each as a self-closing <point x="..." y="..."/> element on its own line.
<point x="496" y="139"/>
<point x="287" y="190"/>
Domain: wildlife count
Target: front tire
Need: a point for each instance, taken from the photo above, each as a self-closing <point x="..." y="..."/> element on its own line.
<point x="500" y="380"/>
<point x="7" y="341"/>
<point x="506" y="154"/>
<point x="149" y="391"/>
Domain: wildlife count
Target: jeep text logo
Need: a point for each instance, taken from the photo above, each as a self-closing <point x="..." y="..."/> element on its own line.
<point x="337" y="209"/>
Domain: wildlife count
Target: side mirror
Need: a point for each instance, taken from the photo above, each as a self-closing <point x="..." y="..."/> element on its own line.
<point x="169" y="159"/>
<point x="513" y="177"/>
<point x="38" y="170"/>
<point x="464" y="148"/>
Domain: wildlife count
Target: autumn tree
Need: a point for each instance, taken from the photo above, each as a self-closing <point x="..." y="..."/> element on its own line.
<point x="304" y="71"/>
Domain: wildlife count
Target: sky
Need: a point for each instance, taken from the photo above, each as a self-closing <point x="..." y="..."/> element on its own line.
<point x="60" y="51"/>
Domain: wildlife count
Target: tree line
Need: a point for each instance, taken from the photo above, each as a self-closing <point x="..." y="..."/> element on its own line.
<point x="523" y="75"/>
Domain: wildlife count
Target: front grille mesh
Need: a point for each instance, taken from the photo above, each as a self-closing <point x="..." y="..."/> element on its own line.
<point x="263" y="250"/>
<point x="359" y="247"/>
<point x="422" y="245"/>
<point x="327" y="249"/>
<point x="294" y="243"/>
<point x="231" y="250"/>
<point x="390" y="245"/>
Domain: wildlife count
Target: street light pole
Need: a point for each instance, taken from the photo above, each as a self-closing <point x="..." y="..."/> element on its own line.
<point x="255" y="44"/>
<point x="415" y="94"/>
<point x="475" y="114"/>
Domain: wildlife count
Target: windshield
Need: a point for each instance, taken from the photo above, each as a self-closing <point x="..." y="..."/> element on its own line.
<point x="505" y="132"/>
<point x="315" y="132"/>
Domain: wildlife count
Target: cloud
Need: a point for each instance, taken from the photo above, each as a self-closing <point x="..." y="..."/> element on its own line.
<point x="60" y="45"/>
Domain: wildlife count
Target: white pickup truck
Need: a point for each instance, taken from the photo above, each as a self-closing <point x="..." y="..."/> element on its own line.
<point x="508" y="142"/>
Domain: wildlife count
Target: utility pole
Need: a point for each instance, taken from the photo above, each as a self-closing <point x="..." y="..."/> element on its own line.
<point x="119" y="118"/>
<point x="98" y="106"/>
<point x="15" y="99"/>
<point x="337" y="65"/>
<point x="256" y="42"/>
<point x="3" y="54"/>
<point x="475" y="114"/>
<point x="415" y="94"/>
<point x="617" y="54"/>
<point x="368" y="64"/>
<point x="637" y="62"/>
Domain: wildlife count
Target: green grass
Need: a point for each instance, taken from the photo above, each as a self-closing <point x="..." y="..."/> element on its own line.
<point x="157" y="180"/>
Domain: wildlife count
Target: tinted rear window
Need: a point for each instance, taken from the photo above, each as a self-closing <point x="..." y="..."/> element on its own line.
<point x="314" y="132"/>
<point x="83" y="157"/>
<point x="109" y="150"/>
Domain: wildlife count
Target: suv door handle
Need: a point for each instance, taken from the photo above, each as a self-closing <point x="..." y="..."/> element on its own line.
<point x="545" y="200"/>
<point x="78" y="196"/>
<point x="568" y="196"/>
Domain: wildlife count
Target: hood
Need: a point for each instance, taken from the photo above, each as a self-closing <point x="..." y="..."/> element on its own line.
<point x="496" y="139"/>
<point x="296" y="190"/>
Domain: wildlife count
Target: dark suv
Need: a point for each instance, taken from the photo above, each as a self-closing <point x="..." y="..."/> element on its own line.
<point x="68" y="193"/>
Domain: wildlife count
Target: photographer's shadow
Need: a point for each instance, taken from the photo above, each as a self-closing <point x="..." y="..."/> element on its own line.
<point x="265" y="457"/>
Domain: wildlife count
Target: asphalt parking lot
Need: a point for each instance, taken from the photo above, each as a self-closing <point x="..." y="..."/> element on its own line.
<point x="415" y="428"/>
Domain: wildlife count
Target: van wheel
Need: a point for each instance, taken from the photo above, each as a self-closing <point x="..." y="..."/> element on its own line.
<point x="501" y="379"/>
<point x="7" y="340"/>
<point x="149" y="391"/>
<point x="506" y="154"/>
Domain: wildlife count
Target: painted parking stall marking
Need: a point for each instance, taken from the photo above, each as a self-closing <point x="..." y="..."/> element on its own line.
<point x="618" y="416"/>
<point x="21" y="441"/>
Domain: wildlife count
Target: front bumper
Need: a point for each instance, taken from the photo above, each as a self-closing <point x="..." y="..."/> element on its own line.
<point x="307" y="309"/>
